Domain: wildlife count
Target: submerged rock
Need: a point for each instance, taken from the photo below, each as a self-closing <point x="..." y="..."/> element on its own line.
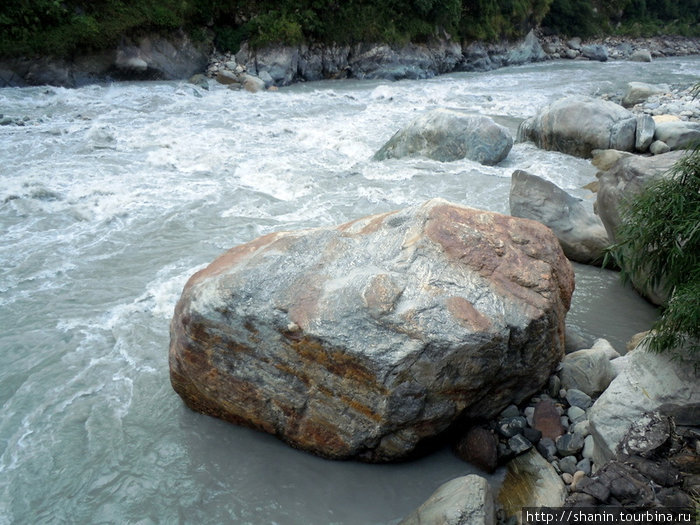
<point x="362" y="341"/>
<point x="579" y="125"/>
<point x="448" y="135"/>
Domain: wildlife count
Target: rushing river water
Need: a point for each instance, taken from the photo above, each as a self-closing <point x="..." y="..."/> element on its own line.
<point x="113" y="195"/>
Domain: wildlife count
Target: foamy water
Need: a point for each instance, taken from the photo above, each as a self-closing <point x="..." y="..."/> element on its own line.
<point x="112" y="196"/>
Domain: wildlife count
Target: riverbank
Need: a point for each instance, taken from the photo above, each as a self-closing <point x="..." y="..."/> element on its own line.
<point x="153" y="57"/>
<point x="283" y="65"/>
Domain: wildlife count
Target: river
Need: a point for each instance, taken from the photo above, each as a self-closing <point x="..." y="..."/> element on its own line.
<point x="113" y="195"/>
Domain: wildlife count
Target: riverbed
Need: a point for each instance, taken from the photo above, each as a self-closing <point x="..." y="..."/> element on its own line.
<point x="113" y="195"/>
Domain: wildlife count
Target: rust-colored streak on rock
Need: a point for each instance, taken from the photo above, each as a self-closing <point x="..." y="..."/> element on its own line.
<point x="337" y="362"/>
<point x="465" y="312"/>
<point x="318" y="435"/>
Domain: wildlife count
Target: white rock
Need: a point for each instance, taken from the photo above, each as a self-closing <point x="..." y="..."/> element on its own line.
<point x="462" y="501"/>
<point x="649" y="382"/>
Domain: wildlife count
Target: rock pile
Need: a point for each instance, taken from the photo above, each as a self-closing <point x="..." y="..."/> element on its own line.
<point x="655" y="462"/>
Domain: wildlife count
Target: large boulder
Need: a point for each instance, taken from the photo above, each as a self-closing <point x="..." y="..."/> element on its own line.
<point x="625" y="179"/>
<point x="462" y="501"/>
<point x="649" y="382"/>
<point x="529" y="50"/>
<point x="678" y="134"/>
<point x="638" y="92"/>
<point x="363" y="340"/>
<point x="448" y="135"/>
<point x="580" y="231"/>
<point x="579" y="125"/>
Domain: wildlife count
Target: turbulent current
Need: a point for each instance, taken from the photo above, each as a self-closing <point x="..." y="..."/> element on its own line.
<point x="111" y="196"/>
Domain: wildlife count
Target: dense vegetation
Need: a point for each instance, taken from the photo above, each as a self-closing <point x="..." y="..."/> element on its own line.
<point x="65" y="27"/>
<point x="660" y="237"/>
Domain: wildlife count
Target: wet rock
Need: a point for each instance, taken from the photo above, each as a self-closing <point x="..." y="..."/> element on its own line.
<point x="579" y="125"/>
<point x="448" y="135"/>
<point x="341" y="342"/>
<point x="580" y="232"/>
<point x="462" y="501"/>
<point x="479" y="447"/>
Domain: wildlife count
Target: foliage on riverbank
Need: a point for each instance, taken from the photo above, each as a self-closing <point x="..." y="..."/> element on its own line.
<point x="66" y="27"/>
<point x="660" y="237"/>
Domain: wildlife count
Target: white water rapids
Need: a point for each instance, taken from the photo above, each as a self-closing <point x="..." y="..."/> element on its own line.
<point x="111" y="196"/>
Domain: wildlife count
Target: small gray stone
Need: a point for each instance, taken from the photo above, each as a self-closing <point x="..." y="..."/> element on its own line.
<point x="568" y="464"/>
<point x="510" y="427"/>
<point x="588" y="445"/>
<point x="584" y="465"/>
<point x="554" y="385"/>
<point x="510" y="411"/>
<point x="529" y="415"/>
<point x="576" y="414"/>
<point x="519" y="444"/>
<point x="577" y="398"/>
<point x="658" y="147"/>
<point x="547" y="448"/>
<point x="532" y="435"/>
<point x="645" y="132"/>
<point x="569" y="444"/>
<point x="582" y="428"/>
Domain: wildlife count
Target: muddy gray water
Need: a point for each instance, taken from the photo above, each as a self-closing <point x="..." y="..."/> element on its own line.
<point x="112" y="196"/>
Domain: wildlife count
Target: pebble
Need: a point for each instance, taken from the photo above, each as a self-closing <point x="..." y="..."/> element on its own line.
<point x="576" y="414"/>
<point x="569" y="444"/>
<point x="567" y="478"/>
<point x="577" y="398"/>
<point x="568" y="464"/>
<point x="577" y="477"/>
<point x="588" y="446"/>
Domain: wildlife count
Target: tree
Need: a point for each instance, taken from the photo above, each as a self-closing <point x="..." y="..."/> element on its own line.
<point x="660" y="237"/>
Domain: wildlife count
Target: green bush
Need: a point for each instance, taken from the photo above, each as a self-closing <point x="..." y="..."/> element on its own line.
<point x="660" y="237"/>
